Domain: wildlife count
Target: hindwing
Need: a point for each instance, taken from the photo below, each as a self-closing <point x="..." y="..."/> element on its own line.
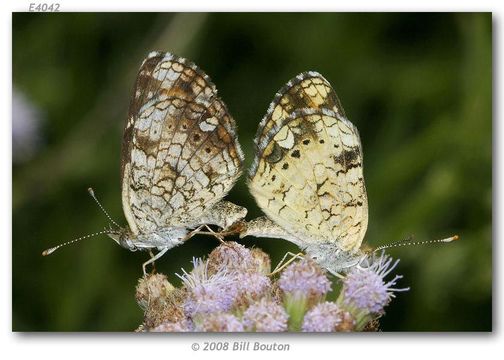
<point x="308" y="174"/>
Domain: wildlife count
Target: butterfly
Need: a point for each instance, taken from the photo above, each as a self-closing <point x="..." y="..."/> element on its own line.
<point x="180" y="156"/>
<point x="307" y="174"/>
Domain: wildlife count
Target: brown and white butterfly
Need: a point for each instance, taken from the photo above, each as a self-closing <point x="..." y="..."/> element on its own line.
<point x="180" y="157"/>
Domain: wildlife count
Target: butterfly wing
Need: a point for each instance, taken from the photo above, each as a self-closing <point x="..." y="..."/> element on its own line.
<point x="308" y="90"/>
<point x="180" y="151"/>
<point x="308" y="177"/>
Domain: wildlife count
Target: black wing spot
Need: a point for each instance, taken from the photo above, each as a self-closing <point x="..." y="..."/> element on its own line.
<point x="276" y="154"/>
<point x="306" y="141"/>
<point x="285" y="166"/>
<point x="296" y="154"/>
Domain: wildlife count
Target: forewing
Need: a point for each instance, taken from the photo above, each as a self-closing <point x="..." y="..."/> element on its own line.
<point x="180" y="149"/>
<point x="308" y="90"/>
<point x="309" y="179"/>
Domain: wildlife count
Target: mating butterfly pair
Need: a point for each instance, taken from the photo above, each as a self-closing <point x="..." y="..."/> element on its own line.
<point x="181" y="156"/>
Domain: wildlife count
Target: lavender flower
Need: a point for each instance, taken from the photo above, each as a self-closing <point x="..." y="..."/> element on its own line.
<point x="231" y="256"/>
<point x="243" y="269"/>
<point x="304" y="278"/>
<point x="262" y="260"/>
<point x="231" y="292"/>
<point x="265" y="316"/>
<point x="208" y="293"/>
<point x="365" y="291"/>
<point x="250" y="286"/>
<point x="327" y="317"/>
<point x="219" y="322"/>
<point x="303" y="283"/>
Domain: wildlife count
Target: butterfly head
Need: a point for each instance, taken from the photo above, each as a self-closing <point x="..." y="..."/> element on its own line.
<point x="123" y="237"/>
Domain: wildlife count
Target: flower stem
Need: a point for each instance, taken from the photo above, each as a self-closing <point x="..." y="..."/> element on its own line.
<point x="296" y="307"/>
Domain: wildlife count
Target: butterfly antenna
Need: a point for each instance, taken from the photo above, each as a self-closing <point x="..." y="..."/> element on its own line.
<point x="408" y="242"/>
<point x="91" y="192"/>
<point x="53" y="249"/>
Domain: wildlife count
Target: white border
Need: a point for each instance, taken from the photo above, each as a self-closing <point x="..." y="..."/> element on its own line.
<point x="131" y="346"/>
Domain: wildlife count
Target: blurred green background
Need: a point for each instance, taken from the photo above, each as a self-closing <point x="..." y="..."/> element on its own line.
<point x="417" y="86"/>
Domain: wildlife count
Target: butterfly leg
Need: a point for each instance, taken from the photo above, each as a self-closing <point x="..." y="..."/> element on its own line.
<point x="152" y="259"/>
<point x="219" y="235"/>
<point x="283" y="264"/>
<point x="338" y="275"/>
<point x="153" y="263"/>
<point x="215" y="234"/>
<point x="196" y="231"/>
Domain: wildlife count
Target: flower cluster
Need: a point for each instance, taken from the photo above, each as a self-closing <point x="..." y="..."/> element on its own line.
<point x="365" y="292"/>
<point x="233" y="291"/>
